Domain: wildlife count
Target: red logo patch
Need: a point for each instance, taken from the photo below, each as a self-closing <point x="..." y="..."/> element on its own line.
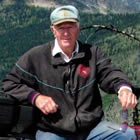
<point x="83" y="70"/>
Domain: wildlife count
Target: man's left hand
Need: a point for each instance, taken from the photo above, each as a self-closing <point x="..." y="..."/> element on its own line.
<point x="127" y="98"/>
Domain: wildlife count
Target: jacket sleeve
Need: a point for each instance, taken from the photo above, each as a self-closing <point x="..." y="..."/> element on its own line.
<point x="20" y="82"/>
<point x="109" y="77"/>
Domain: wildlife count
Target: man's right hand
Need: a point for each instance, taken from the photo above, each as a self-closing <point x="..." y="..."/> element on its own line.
<point x="46" y="104"/>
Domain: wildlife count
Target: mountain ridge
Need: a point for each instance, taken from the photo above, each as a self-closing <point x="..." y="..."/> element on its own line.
<point x="94" y="6"/>
<point x="88" y="6"/>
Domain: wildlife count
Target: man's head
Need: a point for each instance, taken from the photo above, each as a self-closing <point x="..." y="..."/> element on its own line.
<point x="65" y="26"/>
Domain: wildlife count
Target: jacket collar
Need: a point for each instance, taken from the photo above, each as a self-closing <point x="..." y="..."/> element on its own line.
<point x="58" y="60"/>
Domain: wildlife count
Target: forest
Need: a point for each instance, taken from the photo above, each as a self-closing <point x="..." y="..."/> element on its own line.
<point x="23" y="27"/>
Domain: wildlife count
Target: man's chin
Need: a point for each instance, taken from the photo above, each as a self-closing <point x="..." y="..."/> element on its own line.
<point x="67" y="44"/>
<point x="66" y="41"/>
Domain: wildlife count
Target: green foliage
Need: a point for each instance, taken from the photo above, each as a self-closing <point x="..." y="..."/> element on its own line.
<point x="123" y="51"/>
<point x="21" y="28"/>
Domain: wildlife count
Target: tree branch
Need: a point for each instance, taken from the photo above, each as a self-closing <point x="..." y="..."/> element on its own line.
<point x="111" y="28"/>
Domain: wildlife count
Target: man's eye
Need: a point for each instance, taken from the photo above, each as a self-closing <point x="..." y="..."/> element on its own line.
<point x="62" y="28"/>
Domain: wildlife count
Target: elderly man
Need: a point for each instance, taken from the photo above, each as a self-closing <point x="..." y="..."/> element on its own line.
<point x="61" y="79"/>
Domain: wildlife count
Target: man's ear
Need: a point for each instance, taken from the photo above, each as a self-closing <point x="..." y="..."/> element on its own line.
<point x="51" y="27"/>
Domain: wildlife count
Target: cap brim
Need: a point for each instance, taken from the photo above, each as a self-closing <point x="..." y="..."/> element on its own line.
<point x="64" y="20"/>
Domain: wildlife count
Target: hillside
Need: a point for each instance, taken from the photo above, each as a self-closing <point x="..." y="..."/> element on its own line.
<point x="23" y="27"/>
<point x="92" y="6"/>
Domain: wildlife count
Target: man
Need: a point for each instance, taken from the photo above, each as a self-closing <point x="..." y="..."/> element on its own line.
<point x="61" y="79"/>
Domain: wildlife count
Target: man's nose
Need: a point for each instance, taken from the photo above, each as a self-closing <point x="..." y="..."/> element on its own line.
<point x="66" y="32"/>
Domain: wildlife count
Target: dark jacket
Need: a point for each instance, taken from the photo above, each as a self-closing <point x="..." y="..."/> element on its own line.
<point x="73" y="85"/>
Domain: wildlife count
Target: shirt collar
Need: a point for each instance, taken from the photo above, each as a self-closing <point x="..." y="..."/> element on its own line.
<point x="56" y="49"/>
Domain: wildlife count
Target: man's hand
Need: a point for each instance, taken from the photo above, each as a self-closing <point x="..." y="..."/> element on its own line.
<point x="127" y="98"/>
<point x="46" y="104"/>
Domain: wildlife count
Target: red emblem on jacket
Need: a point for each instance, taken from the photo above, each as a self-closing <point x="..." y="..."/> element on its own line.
<point x="83" y="70"/>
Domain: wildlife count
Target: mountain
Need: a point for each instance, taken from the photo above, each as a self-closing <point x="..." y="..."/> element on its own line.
<point x="94" y="6"/>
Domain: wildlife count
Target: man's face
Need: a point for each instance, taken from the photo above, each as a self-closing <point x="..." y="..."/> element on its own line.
<point x="66" y="34"/>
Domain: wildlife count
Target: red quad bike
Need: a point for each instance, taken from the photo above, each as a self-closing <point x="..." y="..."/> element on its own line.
<point x="136" y="114"/>
<point x="137" y="129"/>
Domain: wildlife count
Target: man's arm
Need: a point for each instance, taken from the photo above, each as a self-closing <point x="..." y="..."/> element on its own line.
<point x="20" y="82"/>
<point x="18" y="85"/>
<point x="113" y="80"/>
